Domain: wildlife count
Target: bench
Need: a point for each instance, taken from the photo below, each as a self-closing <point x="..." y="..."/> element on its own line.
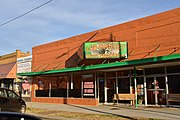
<point x="130" y="97"/>
<point x="173" y="98"/>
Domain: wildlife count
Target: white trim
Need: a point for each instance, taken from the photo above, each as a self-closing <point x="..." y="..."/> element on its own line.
<point x="145" y="88"/>
<point x="98" y="85"/>
<point x="167" y="90"/>
<point x="71" y="81"/>
<point x="105" y="90"/>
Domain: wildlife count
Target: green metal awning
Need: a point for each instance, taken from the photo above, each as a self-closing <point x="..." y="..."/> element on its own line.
<point x="107" y="65"/>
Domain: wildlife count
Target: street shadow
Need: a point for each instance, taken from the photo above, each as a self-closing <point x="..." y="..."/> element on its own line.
<point x="98" y="111"/>
<point x="148" y="110"/>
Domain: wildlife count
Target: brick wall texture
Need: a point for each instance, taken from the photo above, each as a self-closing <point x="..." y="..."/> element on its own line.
<point x="156" y="35"/>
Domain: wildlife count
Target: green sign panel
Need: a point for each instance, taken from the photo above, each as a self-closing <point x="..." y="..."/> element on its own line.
<point x="96" y="50"/>
<point x="123" y="49"/>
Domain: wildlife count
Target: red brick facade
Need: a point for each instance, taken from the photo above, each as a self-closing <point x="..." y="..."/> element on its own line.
<point x="151" y="36"/>
<point x="156" y="35"/>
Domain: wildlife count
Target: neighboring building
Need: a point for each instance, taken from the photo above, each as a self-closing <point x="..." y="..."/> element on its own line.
<point x="8" y="69"/>
<point x="78" y="71"/>
<point x="24" y="66"/>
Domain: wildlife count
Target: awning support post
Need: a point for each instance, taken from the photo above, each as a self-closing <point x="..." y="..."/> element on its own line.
<point x="135" y="87"/>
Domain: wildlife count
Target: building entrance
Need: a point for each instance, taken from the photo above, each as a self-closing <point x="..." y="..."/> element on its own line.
<point x="101" y="90"/>
<point x="156" y="90"/>
<point x="107" y="89"/>
<point x="111" y="89"/>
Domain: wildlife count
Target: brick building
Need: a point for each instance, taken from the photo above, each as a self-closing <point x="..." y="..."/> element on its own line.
<point x="8" y="68"/>
<point x="63" y="74"/>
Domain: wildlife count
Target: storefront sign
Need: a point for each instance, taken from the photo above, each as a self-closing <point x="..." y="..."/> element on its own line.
<point x="123" y="49"/>
<point x="101" y="50"/>
<point x="98" y="50"/>
<point x="24" y="64"/>
<point x="111" y="50"/>
<point x="88" y="85"/>
<point x="88" y="89"/>
<point x="24" y="67"/>
<point x="24" y="59"/>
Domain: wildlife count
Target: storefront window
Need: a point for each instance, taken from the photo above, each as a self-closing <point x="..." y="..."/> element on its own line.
<point x="7" y="83"/>
<point x="49" y="86"/>
<point x="88" y="86"/>
<point x="174" y="83"/>
<point x="158" y="70"/>
<point x="110" y="74"/>
<point x="138" y="72"/>
<point x="124" y="73"/>
<point x="42" y="87"/>
<point x="59" y="86"/>
<point x="140" y="90"/>
<point x="26" y="87"/>
<point x="76" y="91"/>
<point x="173" y="69"/>
<point x="124" y="85"/>
<point x="101" y="74"/>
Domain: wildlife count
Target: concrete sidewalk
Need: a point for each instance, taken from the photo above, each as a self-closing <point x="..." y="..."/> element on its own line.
<point x="121" y="110"/>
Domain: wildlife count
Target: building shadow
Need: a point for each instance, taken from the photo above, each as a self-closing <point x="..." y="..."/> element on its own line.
<point x="98" y="111"/>
<point x="148" y="110"/>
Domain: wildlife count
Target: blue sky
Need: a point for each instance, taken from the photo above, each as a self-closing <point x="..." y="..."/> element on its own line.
<point x="66" y="18"/>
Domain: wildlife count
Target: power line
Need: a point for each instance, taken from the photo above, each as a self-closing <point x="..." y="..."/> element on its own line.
<point x="11" y="20"/>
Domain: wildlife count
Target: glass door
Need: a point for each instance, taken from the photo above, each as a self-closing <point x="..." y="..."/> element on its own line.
<point x="156" y="90"/>
<point x="150" y="90"/>
<point x="111" y="89"/>
<point x="101" y="90"/>
<point x="106" y="90"/>
<point x="161" y="90"/>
